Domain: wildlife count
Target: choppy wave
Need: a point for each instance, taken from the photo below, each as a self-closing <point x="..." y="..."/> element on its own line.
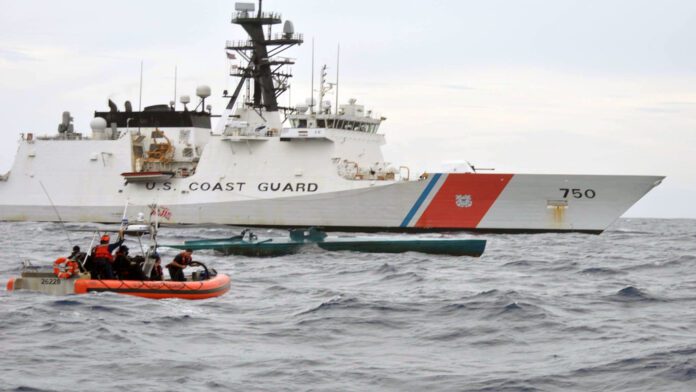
<point x="535" y="313"/>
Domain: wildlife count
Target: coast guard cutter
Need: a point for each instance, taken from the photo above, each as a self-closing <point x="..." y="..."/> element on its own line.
<point x="262" y="164"/>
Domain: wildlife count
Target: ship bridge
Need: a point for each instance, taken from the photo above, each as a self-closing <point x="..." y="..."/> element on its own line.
<point x="351" y="117"/>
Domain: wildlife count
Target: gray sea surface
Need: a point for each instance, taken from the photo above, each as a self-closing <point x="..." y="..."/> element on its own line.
<point x="542" y="312"/>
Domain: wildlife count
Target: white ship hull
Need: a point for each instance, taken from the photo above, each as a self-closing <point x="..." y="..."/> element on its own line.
<point x="84" y="182"/>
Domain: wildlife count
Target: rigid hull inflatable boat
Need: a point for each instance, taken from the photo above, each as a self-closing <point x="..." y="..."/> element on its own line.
<point x="69" y="275"/>
<point x="47" y="282"/>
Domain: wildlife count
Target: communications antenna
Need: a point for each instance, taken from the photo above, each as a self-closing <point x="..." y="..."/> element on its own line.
<point x="260" y="64"/>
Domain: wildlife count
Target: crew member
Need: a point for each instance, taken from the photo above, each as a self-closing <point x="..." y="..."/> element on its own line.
<point x="121" y="263"/>
<point x="157" y="273"/>
<point x="78" y="256"/>
<point x="176" y="267"/>
<point x="102" y="257"/>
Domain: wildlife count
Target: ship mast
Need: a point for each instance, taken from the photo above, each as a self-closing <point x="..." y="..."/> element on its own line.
<point x="265" y="71"/>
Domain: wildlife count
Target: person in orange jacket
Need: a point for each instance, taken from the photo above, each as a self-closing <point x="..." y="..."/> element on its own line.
<point x="102" y="257"/>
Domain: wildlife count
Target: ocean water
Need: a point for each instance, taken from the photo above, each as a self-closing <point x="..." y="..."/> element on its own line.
<point x="543" y="312"/>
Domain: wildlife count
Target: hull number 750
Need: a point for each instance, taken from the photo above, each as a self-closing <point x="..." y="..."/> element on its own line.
<point x="578" y="193"/>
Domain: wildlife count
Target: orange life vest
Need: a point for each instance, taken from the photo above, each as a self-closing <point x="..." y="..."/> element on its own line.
<point x="102" y="252"/>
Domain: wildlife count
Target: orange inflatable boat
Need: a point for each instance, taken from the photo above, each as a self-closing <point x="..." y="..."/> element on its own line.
<point x="47" y="282"/>
<point x="213" y="287"/>
<point x="68" y="274"/>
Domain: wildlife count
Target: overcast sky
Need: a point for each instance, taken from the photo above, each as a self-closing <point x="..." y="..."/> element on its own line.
<point x="592" y="87"/>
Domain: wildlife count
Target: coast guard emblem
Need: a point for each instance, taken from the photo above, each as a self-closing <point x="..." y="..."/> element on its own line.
<point x="464" y="201"/>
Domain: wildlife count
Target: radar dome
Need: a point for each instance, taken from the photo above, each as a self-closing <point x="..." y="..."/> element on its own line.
<point x="185" y="99"/>
<point x="288" y="28"/>
<point x="203" y="91"/>
<point x="98" y="124"/>
<point x="302" y="108"/>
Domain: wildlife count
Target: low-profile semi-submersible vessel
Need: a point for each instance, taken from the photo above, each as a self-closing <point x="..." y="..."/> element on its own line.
<point x="262" y="164"/>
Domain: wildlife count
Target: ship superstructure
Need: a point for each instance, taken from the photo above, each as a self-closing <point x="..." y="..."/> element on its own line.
<point x="262" y="164"/>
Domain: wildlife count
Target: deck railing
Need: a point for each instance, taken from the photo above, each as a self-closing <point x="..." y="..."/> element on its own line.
<point x="245" y="15"/>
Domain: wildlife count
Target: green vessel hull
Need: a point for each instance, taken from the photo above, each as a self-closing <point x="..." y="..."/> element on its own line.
<point x="266" y="248"/>
<point x="278" y="246"/>
<point x="454" y="247"/>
